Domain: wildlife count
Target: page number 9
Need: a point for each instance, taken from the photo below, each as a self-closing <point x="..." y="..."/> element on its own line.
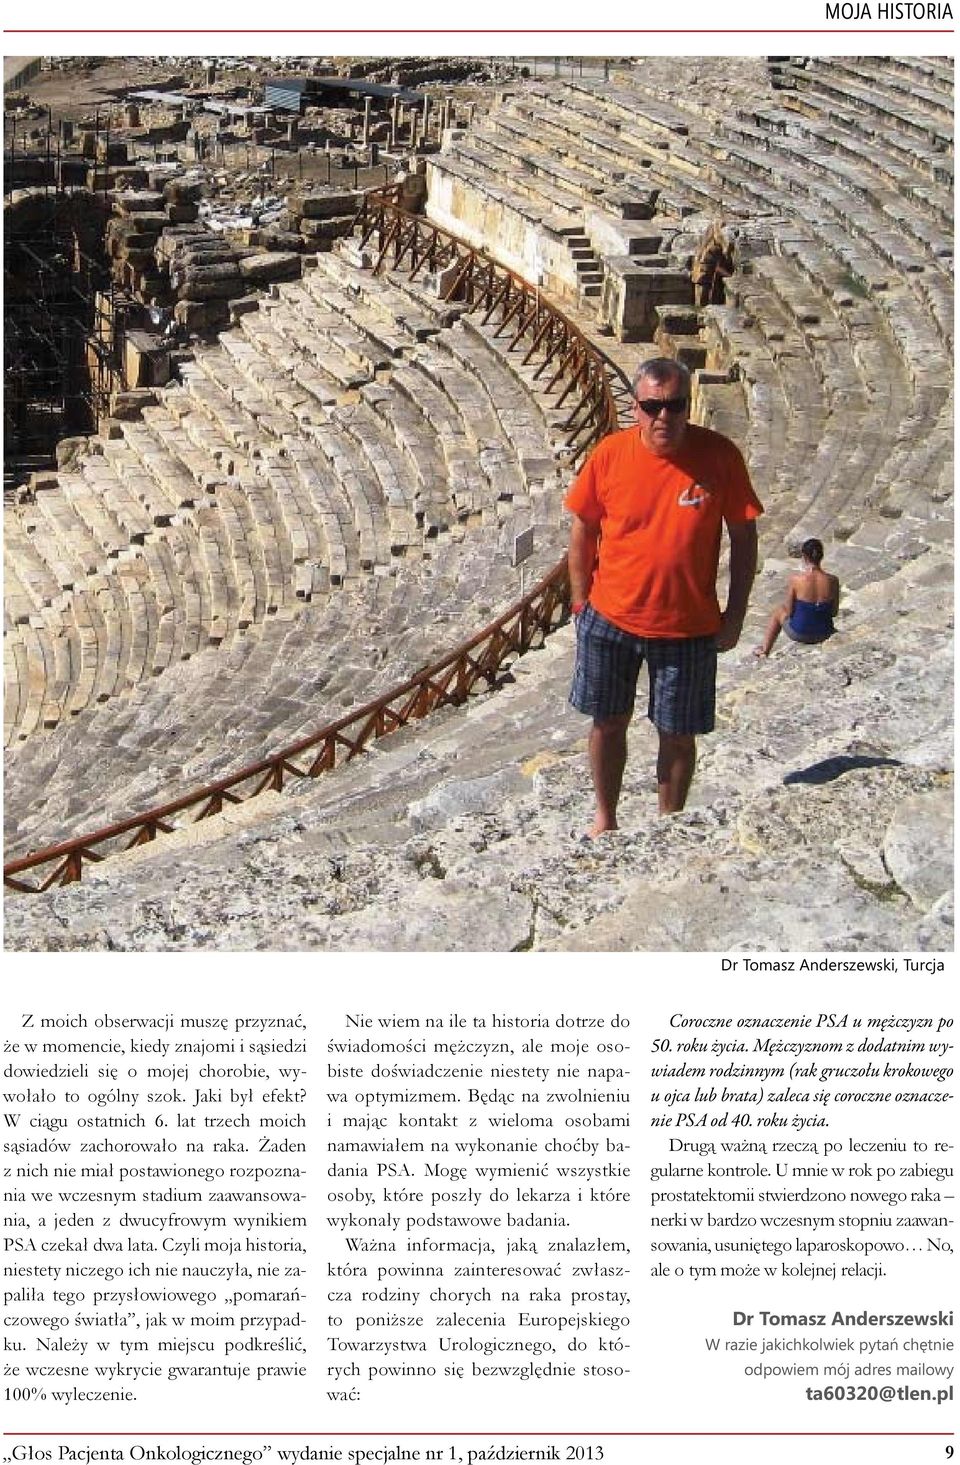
<point x="949" y="1449"/>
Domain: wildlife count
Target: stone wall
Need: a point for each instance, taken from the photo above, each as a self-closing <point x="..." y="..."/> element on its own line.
<point x="503" y="229"/>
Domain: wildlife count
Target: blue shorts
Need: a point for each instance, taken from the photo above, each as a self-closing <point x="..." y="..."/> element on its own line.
<point x="682" y="672"/>
<point x="805" y="638"/>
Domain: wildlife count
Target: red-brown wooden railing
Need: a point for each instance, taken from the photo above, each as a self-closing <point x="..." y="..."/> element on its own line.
<point x="515" y="308"/>
<point x="507" y="301"/>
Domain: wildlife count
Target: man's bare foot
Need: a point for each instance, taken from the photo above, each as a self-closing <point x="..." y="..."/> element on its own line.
<point x="760" y="654"/>
<point x="601" y="826"/>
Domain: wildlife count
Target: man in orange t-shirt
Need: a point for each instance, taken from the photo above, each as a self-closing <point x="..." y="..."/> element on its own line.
<point x="649" y="505"/>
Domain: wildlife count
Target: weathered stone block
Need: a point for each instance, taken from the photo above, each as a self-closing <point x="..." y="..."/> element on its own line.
<point x="326" y="229"/>
<point x="138" y="201"/>
<point x="100" y="178"/>
<point x="328" y="204"/>
<point x="208" y="282"/>
<point x="177" y="237"/>
<point x="146" y="363"/>
<point x="261" y="269"/>
<point x="169" y="132"/>
<point x="128" y="406"/>
<point x="40" y="481"/>
<point x="360" y="259"/>
<point x="413" y="194"/>
<point x="69" y="449"/>
<point x="150" y="225"/>
<point x="132" y="178"/>
<point x="276" y="239"/>
<point x="118" y="230"/>
<point x="626" y="203"/>
<point x="183" y="190"/>
<point x="244" y="306"/>
<point x="203" y="254"/>
<point x="201" y="315"/>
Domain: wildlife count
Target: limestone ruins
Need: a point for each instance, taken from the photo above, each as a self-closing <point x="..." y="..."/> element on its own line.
<point x="271" y="437"/>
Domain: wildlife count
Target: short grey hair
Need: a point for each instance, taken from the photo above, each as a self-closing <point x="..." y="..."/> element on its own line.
<point x="660" y="370"/>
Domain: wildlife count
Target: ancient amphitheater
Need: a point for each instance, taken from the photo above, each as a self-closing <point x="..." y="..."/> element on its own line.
<point x="324" y="501"/>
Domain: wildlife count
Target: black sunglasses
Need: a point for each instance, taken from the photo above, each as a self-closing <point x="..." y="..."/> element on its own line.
<point x="652" y="406"/>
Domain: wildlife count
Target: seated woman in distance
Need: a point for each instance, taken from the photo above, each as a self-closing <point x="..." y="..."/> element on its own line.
<point x="813" y="599"/>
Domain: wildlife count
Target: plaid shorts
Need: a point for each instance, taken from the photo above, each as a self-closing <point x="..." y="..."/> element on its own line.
<point x="682" y="672"/>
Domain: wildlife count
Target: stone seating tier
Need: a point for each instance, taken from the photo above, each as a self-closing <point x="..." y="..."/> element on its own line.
<point x="929" y="78"/>
<point x="734" y="342"/>
<point x="755" y="163"/>
<point x="847" y="364"/>
<point x="833" y="448"/>
<point x="241" y="494"/>
<point x="921" y="148"/>
<point x="934" y="293"/>
<point x="896" y="193"/>
<point x="923" y="114"/>
<point x="390" y="490"/>
<point x="874" y="161"/>
<point x="514" y="199"/>
<point x="624" y="153"/>
<point x="295" y="673"/>
<point x="856" y="253"/>
<point x="841" y="343"/>
<point x="631" y="106"/>
<point x="542" y="195"/>
<point x="503" y="146"/>
<point x="458" y="406"/>
<point x="937" y="73"/>
<point x="447" y="835"/>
